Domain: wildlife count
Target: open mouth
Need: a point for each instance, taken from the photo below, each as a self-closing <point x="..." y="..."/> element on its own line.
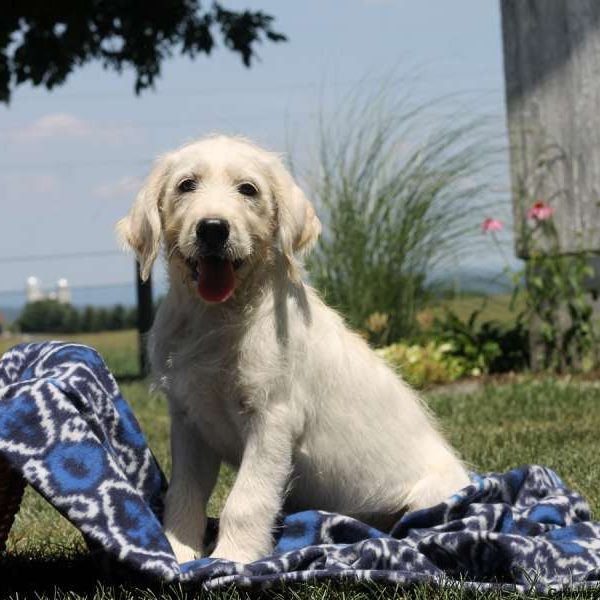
<point x="214" y="277"/>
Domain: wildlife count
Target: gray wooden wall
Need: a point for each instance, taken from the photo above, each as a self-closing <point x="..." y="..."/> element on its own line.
<point x="552" y="71"/>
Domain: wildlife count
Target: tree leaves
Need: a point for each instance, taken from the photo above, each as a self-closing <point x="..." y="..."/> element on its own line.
<point x="43" y="42"/>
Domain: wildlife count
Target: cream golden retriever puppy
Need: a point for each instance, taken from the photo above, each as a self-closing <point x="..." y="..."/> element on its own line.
<point x="258" y="371"/>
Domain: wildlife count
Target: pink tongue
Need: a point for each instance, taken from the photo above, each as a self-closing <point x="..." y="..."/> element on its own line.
<point x="216" y="279"/>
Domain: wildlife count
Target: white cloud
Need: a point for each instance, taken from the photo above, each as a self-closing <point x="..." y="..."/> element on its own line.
<point x="125" y="186"/>
<point x="54" y="125"/>
<point x="64" y="125"/>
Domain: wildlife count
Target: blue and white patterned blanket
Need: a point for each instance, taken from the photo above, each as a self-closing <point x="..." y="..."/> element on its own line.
<point x="65" y="426"/>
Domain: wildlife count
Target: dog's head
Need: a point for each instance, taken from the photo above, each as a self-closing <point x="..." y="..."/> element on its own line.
<point x="222" y="205"/>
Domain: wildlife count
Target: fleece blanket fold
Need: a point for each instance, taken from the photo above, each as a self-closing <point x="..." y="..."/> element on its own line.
<point x="66" y="428"/>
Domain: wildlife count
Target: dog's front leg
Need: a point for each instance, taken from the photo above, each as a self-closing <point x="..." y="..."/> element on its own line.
<point x="195" y="468"/>
<point x="245" y="529"/>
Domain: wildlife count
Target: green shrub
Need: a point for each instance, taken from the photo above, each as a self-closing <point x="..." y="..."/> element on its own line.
<point x="454" y="349"/>
<point x="487" y="347"/>
<point x="427" y="364"/>
<point x="558" y="298"/>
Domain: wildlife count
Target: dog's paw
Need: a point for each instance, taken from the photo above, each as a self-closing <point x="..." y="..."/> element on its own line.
<point x="182" y="552"/>
<point x="235" y="554"/>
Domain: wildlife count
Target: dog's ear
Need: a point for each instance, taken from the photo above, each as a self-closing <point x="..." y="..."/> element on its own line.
<point x="298" y="225"/>
<point x="141" y="228"/>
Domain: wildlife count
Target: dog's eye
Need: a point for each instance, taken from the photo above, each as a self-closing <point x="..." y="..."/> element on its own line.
<point x="247" y="189"/>
<point x="187" y="185"/>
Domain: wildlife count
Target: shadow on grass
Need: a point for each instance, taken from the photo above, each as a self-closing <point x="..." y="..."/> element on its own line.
<point x="81" y="577"/>
<point x="28" y="574"/>
<point x="74" y="577"/>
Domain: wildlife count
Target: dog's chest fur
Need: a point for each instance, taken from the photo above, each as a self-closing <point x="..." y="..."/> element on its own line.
<point x="216" y="377"/>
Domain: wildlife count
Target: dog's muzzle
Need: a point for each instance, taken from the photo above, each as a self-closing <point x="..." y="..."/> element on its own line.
<point x="213" y="269"/>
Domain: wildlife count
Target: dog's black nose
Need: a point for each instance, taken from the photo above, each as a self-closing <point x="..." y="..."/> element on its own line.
<point x="212" y="233"/>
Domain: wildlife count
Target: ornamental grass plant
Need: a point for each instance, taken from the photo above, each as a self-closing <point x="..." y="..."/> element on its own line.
<point x="401" y="189"/>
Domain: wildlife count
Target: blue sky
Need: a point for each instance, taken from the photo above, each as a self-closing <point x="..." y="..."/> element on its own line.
<point x="73" y="159"/>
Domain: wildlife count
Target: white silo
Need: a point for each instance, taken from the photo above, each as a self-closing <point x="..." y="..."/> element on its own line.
<point x="33" y="291"/>
<point x="63" y="292"/>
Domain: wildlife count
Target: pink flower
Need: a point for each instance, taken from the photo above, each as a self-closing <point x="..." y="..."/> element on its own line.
<point x="540" y="211"/>
<point x="491" y="225"/>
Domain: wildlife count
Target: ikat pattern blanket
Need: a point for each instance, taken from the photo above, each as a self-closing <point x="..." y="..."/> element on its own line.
<point x="66" y="428"/>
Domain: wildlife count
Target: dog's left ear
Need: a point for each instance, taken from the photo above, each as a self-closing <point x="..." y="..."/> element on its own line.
<point x="298" y="225"/>
<point x="141" y="228"/>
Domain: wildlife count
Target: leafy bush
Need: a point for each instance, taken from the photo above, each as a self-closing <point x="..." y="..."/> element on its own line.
<point x="489" y="347"/>
<point x="396" y="197"/>
<point x="558" y="290"/>
<point x="458" y="349"/>
<point x="427" y="364"/>
<point x="558" y="298"/>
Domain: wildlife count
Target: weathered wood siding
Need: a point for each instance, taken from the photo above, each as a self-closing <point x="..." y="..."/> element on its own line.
<point x="552" y="71"/>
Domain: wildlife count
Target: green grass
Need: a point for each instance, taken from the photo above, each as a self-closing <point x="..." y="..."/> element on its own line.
<point x="119" y="348"/>
<point x="544" y="421"/>
<point x="493" y="308"/>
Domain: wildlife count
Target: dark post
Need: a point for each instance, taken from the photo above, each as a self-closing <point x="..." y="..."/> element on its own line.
<point x="144" y="317"/>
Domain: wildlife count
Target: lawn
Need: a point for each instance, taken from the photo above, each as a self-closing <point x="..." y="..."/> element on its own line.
<point x="492" y="308"/>
<point x="502" y="426"/>
<point x="119" y="348"/>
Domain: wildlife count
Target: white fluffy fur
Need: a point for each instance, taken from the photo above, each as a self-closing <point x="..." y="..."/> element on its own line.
<point x="271" y="381"/>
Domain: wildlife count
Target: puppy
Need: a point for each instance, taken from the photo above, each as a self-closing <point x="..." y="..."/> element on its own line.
<point x="258" y="371"/>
